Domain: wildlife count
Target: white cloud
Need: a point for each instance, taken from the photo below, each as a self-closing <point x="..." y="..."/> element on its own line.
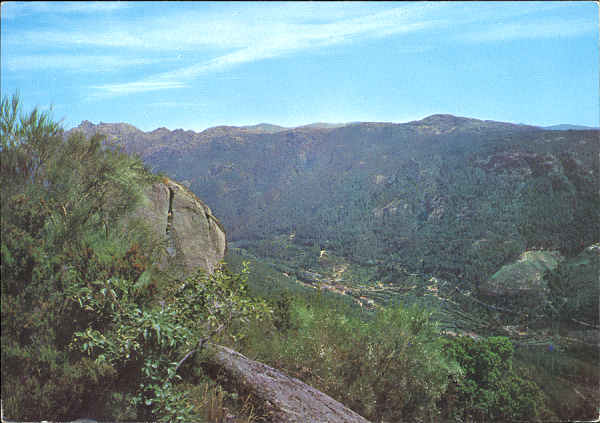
<point x="81" y="38"/>
<point x="248" y="32"/>
<point x="277" y="33"/>
<point x="80" y="63"/>
<point x="135" y="87"/>
<point x="188" y="31"/>
<point x="264" y="42"/>
<point x="12" y="10"/>
<point x="530" y="30"/>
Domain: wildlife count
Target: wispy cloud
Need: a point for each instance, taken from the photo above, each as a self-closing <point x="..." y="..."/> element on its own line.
<point x="280" y="39"/>
<point x="116" y="38"/>
<point x="11" y="10"/>
<point x="241" y="34"/>
<point x="247" y="35"/>
<point x="108" y="90"/>
<point x="189" y="31"/>
<point x="80" y="63"/>
<point x="530" y="30"/>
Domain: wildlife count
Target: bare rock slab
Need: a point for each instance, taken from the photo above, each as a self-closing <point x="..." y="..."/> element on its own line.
<point x="285" y="399"/>
<point x="195" y="237"/>
<point x="197" y="233"/>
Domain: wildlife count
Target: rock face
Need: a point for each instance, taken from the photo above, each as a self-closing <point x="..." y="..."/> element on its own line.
<point x="195" y="238"/>
<point x="284" y="399"/>
<point x="523" y="277"/>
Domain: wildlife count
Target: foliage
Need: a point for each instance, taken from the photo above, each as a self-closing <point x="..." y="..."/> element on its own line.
<point x="61" y="203"/>
<point x="83" y="331"/>
<point x="574" y="290"/>
<point x="150" y="341"/>
<point x="387" y="367"/>
<point x="490" y="390"/>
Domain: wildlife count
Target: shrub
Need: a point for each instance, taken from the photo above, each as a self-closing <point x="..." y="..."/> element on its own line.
<point x="387" y="366"/>
<point x="490" y="389"/>
<point x="62" y="201"/>
<point x="149" y="341"/>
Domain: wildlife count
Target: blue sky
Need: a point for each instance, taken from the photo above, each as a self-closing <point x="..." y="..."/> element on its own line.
<point x="196" y="65"/>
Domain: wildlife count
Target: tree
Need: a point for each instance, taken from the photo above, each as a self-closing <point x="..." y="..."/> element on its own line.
<point x="490" y="390"/>
<point x="61" y="227"/>
<point x="150" y="341"/>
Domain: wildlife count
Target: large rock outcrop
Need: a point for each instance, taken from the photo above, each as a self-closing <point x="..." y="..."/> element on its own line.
<point x="283" y="399"/>
<point x="195" y="238"/>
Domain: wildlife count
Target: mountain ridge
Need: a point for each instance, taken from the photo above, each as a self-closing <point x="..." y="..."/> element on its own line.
<point x="253" y="169"/>
<point x="567" y="127"/>
<point x="273" y="128"/>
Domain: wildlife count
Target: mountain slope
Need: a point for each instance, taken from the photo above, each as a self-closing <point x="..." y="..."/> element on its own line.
<point x="447" y="195"/>
<point x="425" y="211"/>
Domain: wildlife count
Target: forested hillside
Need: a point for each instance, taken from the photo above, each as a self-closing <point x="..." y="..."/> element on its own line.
<point x="450" y="196"/>
<point x="491" y="225"/>
<point x="441" y="270"/>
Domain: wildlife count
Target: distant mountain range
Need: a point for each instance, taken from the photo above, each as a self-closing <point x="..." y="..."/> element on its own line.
<point x="400" y="192"/>
<point x="566" y="127"/>
<point x="145" y="143"/>
<point x="271" y="128"/>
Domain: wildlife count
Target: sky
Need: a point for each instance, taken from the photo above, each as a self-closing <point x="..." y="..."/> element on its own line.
<point x="194" y="65"/>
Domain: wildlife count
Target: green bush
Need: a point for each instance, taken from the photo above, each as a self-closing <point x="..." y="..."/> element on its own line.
<point x="62" y="201"/>
<point x="490" y="389"/>
<point x="387" y="366"/>
<point x="83" y="330"/>
<point x="149" y="341"/>
<point x="55" y="195"/>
